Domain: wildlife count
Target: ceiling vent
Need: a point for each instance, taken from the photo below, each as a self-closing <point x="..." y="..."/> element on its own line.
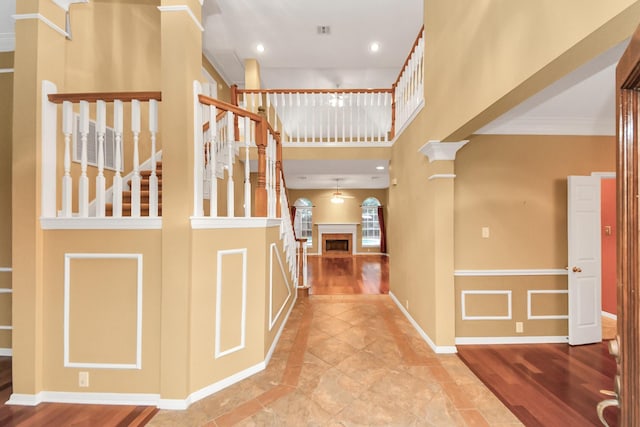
<point x="324" y="29"/>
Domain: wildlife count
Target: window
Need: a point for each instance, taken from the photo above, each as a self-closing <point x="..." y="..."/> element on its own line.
<point x="303" y="222"/>
<point x="370" y="224"/>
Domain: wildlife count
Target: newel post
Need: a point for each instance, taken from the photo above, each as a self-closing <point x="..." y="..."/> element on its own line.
<point x="279" y="184"/>
<point x="260" y="200"/>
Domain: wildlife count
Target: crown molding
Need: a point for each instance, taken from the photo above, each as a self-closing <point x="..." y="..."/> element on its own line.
<point x="437" y="150"/>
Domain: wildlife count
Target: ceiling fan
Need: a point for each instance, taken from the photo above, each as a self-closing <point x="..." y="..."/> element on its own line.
<point x="337" y="197"/>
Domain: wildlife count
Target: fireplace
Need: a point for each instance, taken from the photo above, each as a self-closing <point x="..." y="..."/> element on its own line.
<point x="336" y="244"/>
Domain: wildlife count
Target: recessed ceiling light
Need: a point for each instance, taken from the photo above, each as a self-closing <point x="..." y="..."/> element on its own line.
<point x="380" y="168"/>
<point x="260" y="47"/>
<point x="374" y="47"/>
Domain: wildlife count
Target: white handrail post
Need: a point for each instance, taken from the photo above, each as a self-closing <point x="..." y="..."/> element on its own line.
<point x="83" y="183"/>
<point x="153" y="178"/>
<point x="67" y="130"/>
<point x="212" y="160"/>
<point x="231" y="154"/>
<point x="101" y="129"/>
<point x="117" y="179"/>
<point x="135" y="179"/>
<point x="247" y="170"/>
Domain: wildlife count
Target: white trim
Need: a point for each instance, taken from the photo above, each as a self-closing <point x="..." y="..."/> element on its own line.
<point x="6" y="70"/>
<point x="442" y="176"/>
<point x="272" y="348"/>
<point x="6" y="291"/>
<point x="7" y="42"/>
<point x="124" y="223"/>
<point x="437" y="150"/>
<point x="273" y="320"/>
<point x="544" y="339"/>
<point x="609" y="315"/>
<point x="6" y="269"/>
<point x="138" y="399"/>
<point x="204" y="223"/>
<point x="182" y="8"/>
<point x="64" y="4"/>
<point x="243" y="321"/>
<point x="337" y="144"/>
<point x="6" y="328"/>
<point x="523" y="272"/>
<point x="604" y="175"/>
<point x="408" y="121"/>
<point x="342" y="228"/>
<point x="67" y="292"/>
<point x="448" y="349"/>
<point x="43" y="19"/>
<point x="182" y="404"/>
<point x="545" y="317"/>
<point x="6" y="352"/>
<point x="463" y="295"/>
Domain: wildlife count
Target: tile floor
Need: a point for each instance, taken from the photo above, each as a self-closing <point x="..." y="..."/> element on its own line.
<point x="350" y="361"/>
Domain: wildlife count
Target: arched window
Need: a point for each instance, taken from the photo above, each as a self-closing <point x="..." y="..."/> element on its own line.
<point x="303" y="220"/>
<point x="370" y="223"/>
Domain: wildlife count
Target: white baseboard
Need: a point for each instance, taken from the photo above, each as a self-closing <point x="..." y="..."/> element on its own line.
<point x="609" y="315"/>
<point x="6" y="352"/>
<point x="438" y="349"/>
<point x="267" y="358"/>
<point x="138" y="399"/>
<point x="546" y="339"/>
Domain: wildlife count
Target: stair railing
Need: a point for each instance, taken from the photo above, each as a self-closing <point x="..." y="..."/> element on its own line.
<point x="218" y="137"/>
<point x="91" y="129"/>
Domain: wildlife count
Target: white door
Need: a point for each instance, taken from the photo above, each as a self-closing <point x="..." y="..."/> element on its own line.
<point x="584" y="260"/>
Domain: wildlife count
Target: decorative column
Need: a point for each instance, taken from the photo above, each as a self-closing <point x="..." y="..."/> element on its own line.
<point x="440" y="187"/>
<point x="181" y="62"/>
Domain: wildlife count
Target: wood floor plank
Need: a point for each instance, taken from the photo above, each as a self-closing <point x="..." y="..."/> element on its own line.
<point x="349" y="275"/>
<point x="546" y="384"/>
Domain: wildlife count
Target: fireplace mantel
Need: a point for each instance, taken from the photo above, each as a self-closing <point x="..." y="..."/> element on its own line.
<point x="338" y="228"/>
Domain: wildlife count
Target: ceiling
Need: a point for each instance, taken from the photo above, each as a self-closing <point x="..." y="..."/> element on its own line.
<point x="296" y="56"/>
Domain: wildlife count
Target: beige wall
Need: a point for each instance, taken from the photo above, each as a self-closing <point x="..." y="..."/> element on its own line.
<point x="522" y="199"/>
<point x="489" y="57"/>
<point x="224" y="93"/>
<point x="6" y="117"/>
<point x="348" y="212"/>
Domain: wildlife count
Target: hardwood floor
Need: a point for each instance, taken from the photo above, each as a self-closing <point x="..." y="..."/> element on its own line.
<point x="361" y="274"/>
<point x="59" y="414"/>
<point x="546" y="384"/>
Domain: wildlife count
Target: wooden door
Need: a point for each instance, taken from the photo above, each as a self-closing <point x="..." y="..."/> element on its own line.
<point x="628" y="100"/>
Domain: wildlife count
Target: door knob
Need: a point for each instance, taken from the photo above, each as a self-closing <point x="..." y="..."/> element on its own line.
<point x="577" y="270"/>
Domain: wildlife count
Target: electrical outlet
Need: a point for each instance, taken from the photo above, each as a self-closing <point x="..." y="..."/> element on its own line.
<point x="485" y="232"/>
<point x="519" y="327"/>
<point x="83" y="379"/>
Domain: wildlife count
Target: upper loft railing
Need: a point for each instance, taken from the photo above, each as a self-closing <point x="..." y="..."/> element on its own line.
<point x="96" y="142"/>
<point x="341" y="117"/>
<point x="408" y="89"/>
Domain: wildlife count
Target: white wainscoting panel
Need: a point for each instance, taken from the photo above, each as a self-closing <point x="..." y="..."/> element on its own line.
<point x="219" y="352"/>
<point x="485" y="292"/>
<point x="67" y="296"/>
<point x="531" y="316"/>
<point x="273" y="319"/>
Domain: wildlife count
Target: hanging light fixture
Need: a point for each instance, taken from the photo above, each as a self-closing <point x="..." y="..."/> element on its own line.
<point x="337" y="197"/>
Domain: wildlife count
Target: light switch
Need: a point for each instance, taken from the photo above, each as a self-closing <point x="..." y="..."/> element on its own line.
<point x="607" y="230"/>
<point x="485" y="232"/>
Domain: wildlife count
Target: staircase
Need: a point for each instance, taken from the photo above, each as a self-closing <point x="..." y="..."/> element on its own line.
<point x="144" y="195"/>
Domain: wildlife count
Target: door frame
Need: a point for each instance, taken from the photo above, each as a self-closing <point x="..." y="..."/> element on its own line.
<point x="628" y="107"/>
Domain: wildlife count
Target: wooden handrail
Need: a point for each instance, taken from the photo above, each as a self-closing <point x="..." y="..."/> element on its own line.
<point x="59" y="98"/>
<point x="406" y="61"/>
<point x="338" y="91"/>
<point x="229" y="107"/>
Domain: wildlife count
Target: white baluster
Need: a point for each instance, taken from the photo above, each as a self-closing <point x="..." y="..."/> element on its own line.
<point x="117" y="179"/>
<point x="135" y="179"/>
<point x="290" y="115"/>
<point x="358" y="111"/>
<point x="344" y="107"/>
<point x="101" y="129"/>
<point x="67" y="130"/>
<point x="351" y="116"/>
<point x="154" y="201"/>
<point x="298" y="117"/>
<point x="335" y="118"/>
<point x="276" y="125"/>
<point x="313" y="117"/>
<point x="305" y="96"/>
<point x="231" y="154"/>
<point x="247" y="170"/>
<point x="83" y="184"/>
<point x="212" y="161"/>
<point x="320" y="97"/>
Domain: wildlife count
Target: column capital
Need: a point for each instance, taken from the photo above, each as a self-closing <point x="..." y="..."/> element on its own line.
<point x="438" y="150"/>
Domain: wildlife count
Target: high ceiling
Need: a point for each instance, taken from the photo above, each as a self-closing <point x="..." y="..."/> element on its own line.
<point x="296" y="56"/>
